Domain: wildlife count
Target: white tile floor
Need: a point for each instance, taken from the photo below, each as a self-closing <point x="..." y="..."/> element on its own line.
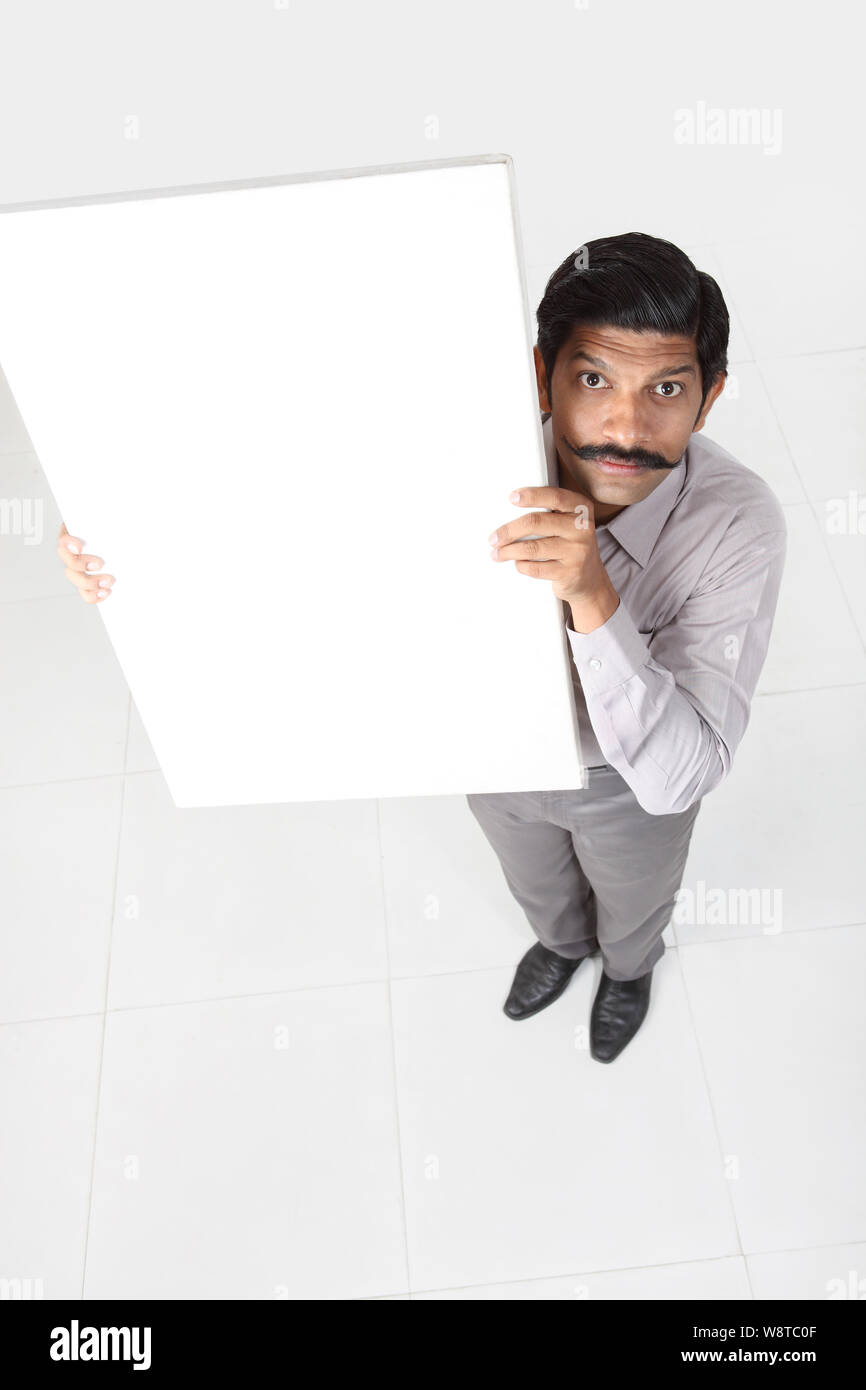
<point x="260" y="1052"/>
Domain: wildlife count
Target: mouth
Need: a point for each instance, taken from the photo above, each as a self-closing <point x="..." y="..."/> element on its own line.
<point x="625" y="470"/>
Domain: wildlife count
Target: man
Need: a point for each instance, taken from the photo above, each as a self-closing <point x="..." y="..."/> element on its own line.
<point x="668" y="555"/>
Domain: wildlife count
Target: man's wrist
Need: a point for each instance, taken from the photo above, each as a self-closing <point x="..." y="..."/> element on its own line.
<point x="593" y="610"/>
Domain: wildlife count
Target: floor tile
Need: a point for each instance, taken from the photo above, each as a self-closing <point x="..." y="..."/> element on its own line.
<point x="525" y="1158"/>
<point x="779" y="1024"/>
<point x="64" y="703"/>
<point x="48" y="1082"/>
<point x="247" y="1149"/>
<point x="221" y="901"/>
<point x="59" y="861"/>
<point x="777" y="846"/>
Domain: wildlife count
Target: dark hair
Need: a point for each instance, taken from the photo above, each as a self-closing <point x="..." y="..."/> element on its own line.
<point x="639" y="282"/>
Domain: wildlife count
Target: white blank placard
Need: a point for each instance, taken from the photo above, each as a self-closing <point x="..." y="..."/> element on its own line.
<point x="288" y="416"/>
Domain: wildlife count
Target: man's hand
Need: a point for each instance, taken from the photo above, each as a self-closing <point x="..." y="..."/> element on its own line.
<point x="80" y="568"/>
<point x="566" y="552"/>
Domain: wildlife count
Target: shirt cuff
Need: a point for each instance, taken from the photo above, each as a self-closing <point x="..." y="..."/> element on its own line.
<point x="611" y="654"/>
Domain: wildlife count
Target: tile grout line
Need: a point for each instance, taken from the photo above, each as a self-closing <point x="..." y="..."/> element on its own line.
<point x="105" y="1002"/>
<point x="756" y="361"/>
<point x="716" y="254"/>
<point x="674" y="947"/>
<point x="393" y="1041"/>
<point x="721" y="1147"/>
<point x="813" y="506"/>
<point x="625" y="1269"/>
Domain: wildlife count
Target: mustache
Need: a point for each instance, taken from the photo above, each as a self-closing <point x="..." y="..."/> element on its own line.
<point x="591" y="452"/>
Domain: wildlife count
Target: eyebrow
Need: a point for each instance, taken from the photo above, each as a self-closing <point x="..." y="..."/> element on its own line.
<point x="605" y="366"/>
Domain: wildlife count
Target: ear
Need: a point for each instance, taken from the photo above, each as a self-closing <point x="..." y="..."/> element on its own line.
<point x="541" y="379"/>
<point x="715" y="391"/>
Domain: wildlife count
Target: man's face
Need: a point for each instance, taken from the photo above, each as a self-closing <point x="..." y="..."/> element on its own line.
<point x="622" y="396"/>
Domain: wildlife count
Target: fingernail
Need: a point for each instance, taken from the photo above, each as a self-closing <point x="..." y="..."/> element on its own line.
<point x="91" y="565"/>
<point x="74" y="547"/>
<point x="492" y="539"/>
<point x="515" y="497"/>
<point x="104" y="584"/>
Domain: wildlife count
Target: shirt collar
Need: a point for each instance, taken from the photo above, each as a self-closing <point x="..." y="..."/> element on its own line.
<point x="638" y="526"/>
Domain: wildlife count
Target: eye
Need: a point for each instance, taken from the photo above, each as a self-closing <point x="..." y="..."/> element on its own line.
<point x="679" y="389"/>
<point x="596" y="375"/>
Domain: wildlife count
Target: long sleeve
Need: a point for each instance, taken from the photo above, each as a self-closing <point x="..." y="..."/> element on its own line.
<point x="669" y="713"/>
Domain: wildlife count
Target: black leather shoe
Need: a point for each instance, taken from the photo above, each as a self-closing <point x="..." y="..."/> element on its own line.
<point x="540" y="978"/>
<point x="618" y="1010"/>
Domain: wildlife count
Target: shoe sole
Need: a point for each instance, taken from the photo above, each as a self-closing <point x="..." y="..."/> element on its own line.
<point x="551" y="998"/>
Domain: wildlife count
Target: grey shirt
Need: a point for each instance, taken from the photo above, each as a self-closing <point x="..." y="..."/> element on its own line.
<point x="663" y="688"/>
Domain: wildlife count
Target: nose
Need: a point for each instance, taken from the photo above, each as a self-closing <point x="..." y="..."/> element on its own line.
<point x="625" y="422"/>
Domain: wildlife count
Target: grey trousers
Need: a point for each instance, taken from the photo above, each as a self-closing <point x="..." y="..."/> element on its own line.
<point x="591" y="868"/>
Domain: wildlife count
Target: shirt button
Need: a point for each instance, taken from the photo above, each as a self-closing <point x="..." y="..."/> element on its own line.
<point x="595" y="664"/>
